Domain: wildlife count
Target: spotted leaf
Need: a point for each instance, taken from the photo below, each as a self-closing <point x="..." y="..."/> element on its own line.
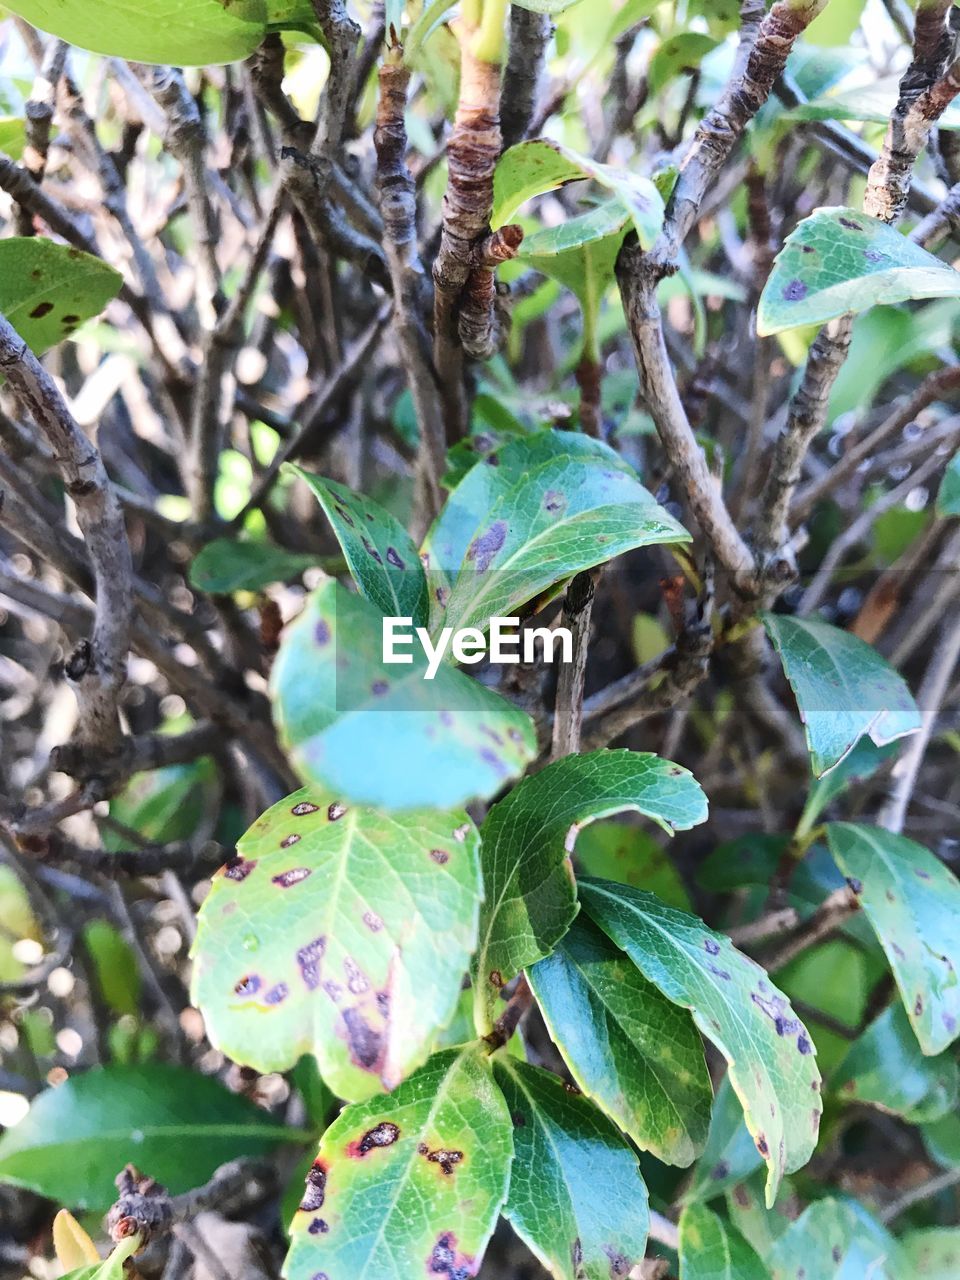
<point x="576" y="1195"/>
<point x="845" y="691"/>
<point x="532" y="514"/>
<point x="710" y="1249"/>
<point x="382" y="734"/>
<point x="628" y="1047"/>
<point x="379" y="552"/>
<point x="409" y="1184"/>
<point x="48" y="289"/>
<point x="529" y="893"/>
<point x="836" y="1240"/>
<point x="338" y="931"/>
<point x="770" y="1055"/>
<point x="839" y="261"/>
<point x="913" y="903"/>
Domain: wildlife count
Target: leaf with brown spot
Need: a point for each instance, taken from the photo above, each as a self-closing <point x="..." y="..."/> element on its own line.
<point x="912" y="901"/>
<point x="379" y="552"/>
<point x="769" y="1052"/>
<point x="297" y="966"/>
<point x="392" y="1214"/>
<point x="42" y="284"/>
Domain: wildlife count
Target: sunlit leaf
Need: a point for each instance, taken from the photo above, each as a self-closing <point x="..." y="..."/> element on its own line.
<point x="836" y="1240"/>
<point x="710" y="1249"/>
<point x="184" y="32"/>
<point x="628" y="1047"/>
<point x="379" y="733"/>
<point x="770" y="1054"/>
<point x="339" y="931"/>
<point x="913" y="903"/>
<point x="410" y="1183"/>
<point x="576" y="1195"/>
<point x="48" y="289"/>
<point x="844" y="689"/>
<point x="529" y="895"/>
<point x="839" y="261"/>
<point x="535" y="513"/>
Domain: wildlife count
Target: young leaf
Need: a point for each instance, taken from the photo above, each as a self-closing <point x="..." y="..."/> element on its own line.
<point x="844" y="689"/>
<point x="71" y="1243"/>
<point x="885" y="1068"/>
<point x="770" y="1054"/>
<point x="535" y="513"/>
<point x="183" y="32"/>
<point x="838" y="261"/>
<point x="948" y="499"/>
<point x="710" y="1249"/>
<point x="379" y="552"/>
<point x="531" y="168"/>
<point x="913" y="903"/>
<point x="408" y="1184"/>
<point x="112" y="1268"/>
<point x="225" y="565"/>
<point x="48" y="289"/>
<point x="529" y="895"/>
<point x="177" y="1126"/>
<point x="836" y="1240"/>
<point x="381" y="734"/>
<point x="576" y="1195"/>
<point x="339" y="931"/>
<point x="629" y="1048"/>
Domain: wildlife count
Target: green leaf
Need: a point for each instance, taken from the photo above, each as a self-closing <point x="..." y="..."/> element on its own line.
<point x="162" y="805"/>
<point x="680" y="53"/>
<point x="576" y="1195"/>
<point x="874" y="100"/>
<point x="111" y="1268"/>
<point x="408" y="1184"/>
<point x="844" y="689"/>
<point x="629" y="1048"/>
<point x="114" y="967"/>
<point x="885" y="1068"/>
<point x="838" y="261"/>
<point x="710" y="1249"/>
<point x="948" y="499"/>
<point x="836" y="1240"/>
<point x="184" y="32"/>
<point x="379" y="552"/>
<point x="532" y="168"/>
<point x="12" y="136"/>
<point x="913" y="903"/>
<point x="933" y="1253"/>
<point x="616" y="851"/>
<point x="225" y="565"/>
<point x="730" y="1154"/>
<point x="529" y="894"/>
<point x="535" y="513"/>
<point x="382" y="734"/>
<point x="339" y="931"/>
<point x="48" y="289"/>
<point x="546" y="6"/>
<point x="770" y="1054"/>
<point x="177" y="1126"/>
